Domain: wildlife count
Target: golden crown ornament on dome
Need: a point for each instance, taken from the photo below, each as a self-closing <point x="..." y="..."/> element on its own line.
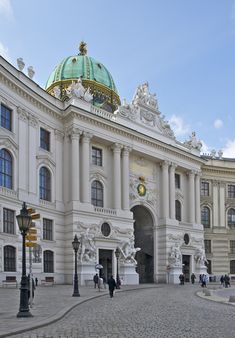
<point x="83" y="48"/>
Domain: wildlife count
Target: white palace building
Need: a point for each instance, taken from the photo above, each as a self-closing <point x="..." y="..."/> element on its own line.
<point x="114" y="175"/>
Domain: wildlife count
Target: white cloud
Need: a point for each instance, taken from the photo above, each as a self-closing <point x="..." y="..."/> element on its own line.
<point x="178" y="126"/>
<point x="6" y="9"/>
<point x="229" y="149"/>
<point x="4" y="51"/>
<point x="205" y="150"/>
<point x="218" y="123"/>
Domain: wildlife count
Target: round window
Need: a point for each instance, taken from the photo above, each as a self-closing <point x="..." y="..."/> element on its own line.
<point x="186" y="239"/>
<point x="105" y="229"/>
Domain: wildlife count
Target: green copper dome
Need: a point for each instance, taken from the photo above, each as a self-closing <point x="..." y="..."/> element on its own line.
<point x="93" y="75"/>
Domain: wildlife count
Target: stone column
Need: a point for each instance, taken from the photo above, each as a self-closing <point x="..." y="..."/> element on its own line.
<point x="33" y="146"/>
<point x="197" y="198"/>
<point x="59" y="139"/>
<point x="23" y="146"/>
<point x="125" y="178"/>
<point x="74" y="179"/>
<point x="222" y="203"/>
<point x="191" y="176"/>
<point x="215" y="203"/>
<point x="116" y="176"/>
<point x="85" y="177"/>
<point x="172" y="190"/>
<point x="165" y="189"/>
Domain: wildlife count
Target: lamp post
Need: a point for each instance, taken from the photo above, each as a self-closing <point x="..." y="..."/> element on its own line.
<point x="117" y="254"/>
<point x="24" y="220"/>
<point x="75" y="245"/>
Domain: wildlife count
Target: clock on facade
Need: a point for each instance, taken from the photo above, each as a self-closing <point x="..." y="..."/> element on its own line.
<point x="141" y="189"/>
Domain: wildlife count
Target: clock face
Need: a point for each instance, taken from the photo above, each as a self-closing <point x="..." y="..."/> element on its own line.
<point x="141" y="189"/>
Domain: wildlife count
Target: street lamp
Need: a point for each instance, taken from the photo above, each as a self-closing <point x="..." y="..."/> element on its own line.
<point x="117" y="254"/>
<point x="75" y="245"/>
<point x="24" y="221"/>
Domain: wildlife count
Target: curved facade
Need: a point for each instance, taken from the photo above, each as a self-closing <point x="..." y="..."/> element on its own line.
<point x="116" y="181"/>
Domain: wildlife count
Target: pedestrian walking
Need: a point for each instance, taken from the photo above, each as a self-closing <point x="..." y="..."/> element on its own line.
<point x="222" y="280"/>
<point x="193" y="277"/>
<point x="104" y="281"/>
<point x="112" y="285"/>
<point x="181" y="278"/>
<point x="36" y="281"/>
<point x="96" y="280"/>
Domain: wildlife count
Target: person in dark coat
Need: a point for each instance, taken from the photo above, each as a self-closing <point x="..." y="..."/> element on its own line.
<point x="96" y="280"/>
<point x="112" y="285"/>
<point x="193" y="277"/>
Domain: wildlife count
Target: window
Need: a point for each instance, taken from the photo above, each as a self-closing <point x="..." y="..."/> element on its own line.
<point x="232" y="267"/>
<point x="8" y="221"/>
<point x="207" y="243"/>
<point x="97" y="194"/>
<point x="5" y="169"/>
<point x="5" y="117"/>
<point x="205" y="217"/>
<point x="204" y="188"/>
<point x="97" y="156"/>
<point x="232" y="247"/>
<point x="231" y="217"/>
<point x="48" y="259"/>
<point x="44" y="139"/>
<point x="37" y="254"/>
<point x="177" y="181"/>
<point x="178" y="210"/>
<point x="231" y="191"/>
<point x="9" y="258"/>
<point x="45" y="184"/>
<point x="47" y="229"/>
<point x="208" y="265"/>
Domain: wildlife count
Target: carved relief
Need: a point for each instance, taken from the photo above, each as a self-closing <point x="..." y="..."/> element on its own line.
<point x="23" y="115"/>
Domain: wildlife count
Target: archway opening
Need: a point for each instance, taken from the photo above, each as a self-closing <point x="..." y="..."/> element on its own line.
<point x="143" y="232"/>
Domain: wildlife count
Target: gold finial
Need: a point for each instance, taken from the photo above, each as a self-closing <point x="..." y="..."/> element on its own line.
<point x="82" y="48"/>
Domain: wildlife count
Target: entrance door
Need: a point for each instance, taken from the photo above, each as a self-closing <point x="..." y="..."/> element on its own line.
<point x="186" y="267"/>
<point x="105" y="259"/>
<point x="143" y="232"/>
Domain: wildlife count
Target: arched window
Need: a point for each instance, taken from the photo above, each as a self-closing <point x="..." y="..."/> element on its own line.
<point x="232" y="267"/>
<point x="5" y="169"/>
<point x="45" y="184"/>
<point x="97" y="197"/>
<point x="178" y="210"/>
<point x="205" y="217"/>
<point x="48" y="260"/>
<point x="231" y="217"/>
<point x="9" y="258"/>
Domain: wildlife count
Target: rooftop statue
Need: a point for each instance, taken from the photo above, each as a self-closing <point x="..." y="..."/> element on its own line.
<point x="142" y="95"/>
<point x="193" y="143"/>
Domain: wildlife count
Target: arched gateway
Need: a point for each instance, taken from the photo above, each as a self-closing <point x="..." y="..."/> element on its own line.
<point x="143" y="232"/>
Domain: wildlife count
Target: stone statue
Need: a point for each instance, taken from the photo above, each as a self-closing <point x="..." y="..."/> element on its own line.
<point x="200" y="256"/>
<point x="76" y="89"/>
<point x="88" y="96"/>
<point x="129" y="251"/>
<point x="175" y="258"/>
<point x="193" y="142"/>
<point x="87" y="250"/>
<point x="142" y="95"/>
<point x="57" y="92"/>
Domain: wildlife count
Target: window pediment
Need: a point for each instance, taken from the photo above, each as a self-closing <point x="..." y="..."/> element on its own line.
<point x="8" y="143"/>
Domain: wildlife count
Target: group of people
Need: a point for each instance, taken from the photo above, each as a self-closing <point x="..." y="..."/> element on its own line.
<point x="99" y="281"/>
<point x="225" y="281"/>
<point x="203" y="280"/>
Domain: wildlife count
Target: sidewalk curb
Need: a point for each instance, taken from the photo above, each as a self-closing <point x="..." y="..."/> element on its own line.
<point x="54" y="318"/>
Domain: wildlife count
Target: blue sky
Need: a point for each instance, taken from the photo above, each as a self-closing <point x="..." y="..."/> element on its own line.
<point x="185" y="49"/>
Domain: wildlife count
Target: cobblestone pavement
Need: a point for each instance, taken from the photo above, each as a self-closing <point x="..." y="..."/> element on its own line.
<point x="168" y="311"/>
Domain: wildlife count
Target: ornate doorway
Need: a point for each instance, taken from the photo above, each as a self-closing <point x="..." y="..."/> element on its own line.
<point x="186" y="267"/>
<point x="143" y="232"/>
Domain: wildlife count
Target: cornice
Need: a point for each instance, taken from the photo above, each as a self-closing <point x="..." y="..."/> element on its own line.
<point x="27" y="94"/>
<point x="212" y="171"/>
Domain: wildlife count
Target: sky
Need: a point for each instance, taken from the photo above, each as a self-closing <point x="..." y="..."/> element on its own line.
<point x="184" y="49"/>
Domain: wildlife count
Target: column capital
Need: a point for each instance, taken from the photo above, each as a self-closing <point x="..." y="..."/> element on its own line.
<point x="191" y="173"/>
<point x="22" y="113"/>
<point x="173" y="166"/>
<point x="73" y="132"/>
<point x="165" y="164"/>
<point x="116" y="147"/>
<point x="126" y="150"/>
<point x="86" y="136"/>
<point x="59" y="135"/>
<point x="33" y="121"/>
